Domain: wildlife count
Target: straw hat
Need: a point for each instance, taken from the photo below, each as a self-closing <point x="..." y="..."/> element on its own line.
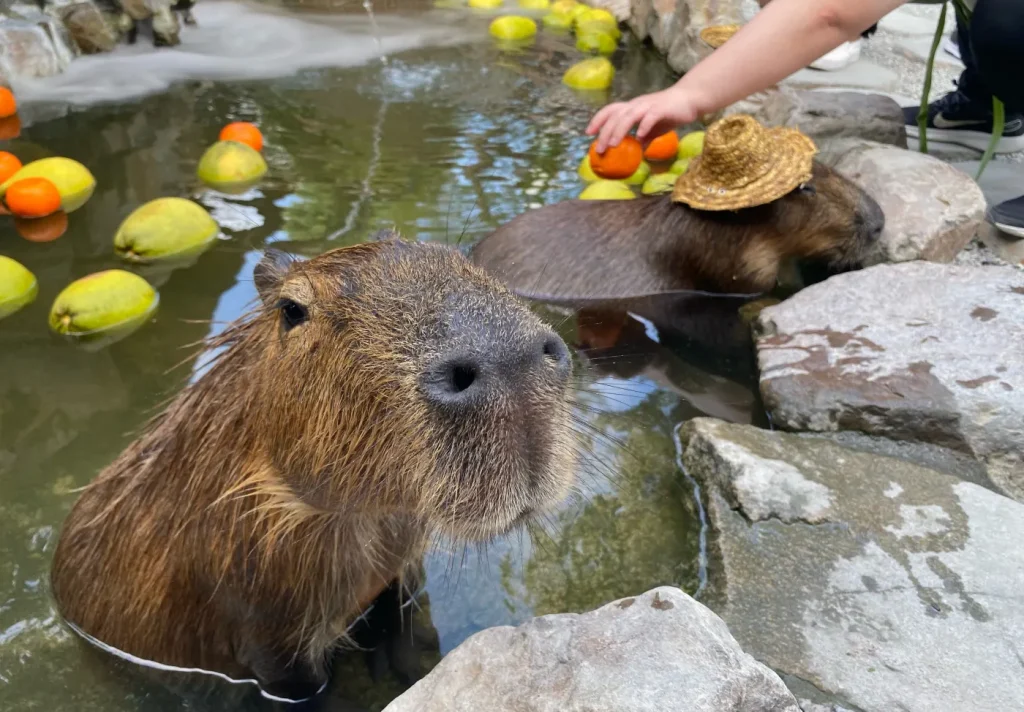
<point x="718" y="34"/>
<point x="744" y="165"/>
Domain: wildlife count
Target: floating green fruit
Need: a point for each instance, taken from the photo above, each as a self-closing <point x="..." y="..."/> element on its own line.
<point x="607" y="190"/>
<point x="679" y="167"/>
<point x="103" y="306"/>
<point x="596" y="16"/>
<point x="692" y="144"/>
<point x="557" y="21"/>
<point x="567" y="7"/>
<point x="535" y="4"/>
<point x="165" y="229"/>
<point x="593" y="28"/>
<point x="18" y="286"/>
<point x="660" y="183"/>
<point x="73" y="181"/>
<point x="596" y="43"/>
<point x="585" y="171"/>
<point x="594" y="73"/>
<point x="485" y="4"/>
<point x="640" y="175"/>
<point x="231" y="167"/>
<point x="513" y="27"/>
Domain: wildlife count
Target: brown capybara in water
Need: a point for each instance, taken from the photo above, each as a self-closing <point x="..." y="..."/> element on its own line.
<point x="613" y="249"/>
<point x="381" y="394"/>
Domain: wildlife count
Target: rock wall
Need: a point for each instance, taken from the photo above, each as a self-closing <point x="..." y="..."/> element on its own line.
<point x="673" y="26"/>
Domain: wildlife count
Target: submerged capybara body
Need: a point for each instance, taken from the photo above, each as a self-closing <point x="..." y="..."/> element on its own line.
<point x="382" y="393"/>
<point x="611" y="249"/>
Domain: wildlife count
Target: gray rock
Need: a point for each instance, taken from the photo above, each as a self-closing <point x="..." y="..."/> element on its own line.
<point x="918" y="351"/>
<point x="659" y="651"/>
<point x="674" y="26"/>
<point x="905" y="596"/>
<point x="828" y="116"/>
<point x="862" y="75"/>
<point x="932" y="211"/>
<point x="91" y="29"/>
<point x="32" y="49"/>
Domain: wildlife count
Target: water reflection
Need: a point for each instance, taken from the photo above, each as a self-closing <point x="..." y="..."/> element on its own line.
<point x="443" y="143"/>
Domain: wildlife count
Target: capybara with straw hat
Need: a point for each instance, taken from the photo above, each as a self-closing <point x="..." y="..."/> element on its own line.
<point x="381" y="394"/>
<point x="754" y="199"/>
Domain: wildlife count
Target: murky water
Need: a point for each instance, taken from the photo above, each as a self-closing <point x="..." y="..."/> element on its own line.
<point x="445" y="141"/>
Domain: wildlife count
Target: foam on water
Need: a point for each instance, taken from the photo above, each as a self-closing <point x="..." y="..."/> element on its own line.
<point x="236" y="41"/>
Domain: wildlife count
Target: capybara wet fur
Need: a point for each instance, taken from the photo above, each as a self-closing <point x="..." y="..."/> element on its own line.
<point x="609" y="249"/>
<point x="382" y="394"/>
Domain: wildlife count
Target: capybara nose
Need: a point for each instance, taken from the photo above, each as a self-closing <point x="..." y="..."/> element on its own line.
<point x="468" y="378"/>
<point x="871" y="219"/>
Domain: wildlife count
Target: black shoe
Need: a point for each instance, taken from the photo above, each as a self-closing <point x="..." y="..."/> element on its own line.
<point x="956" y="119"/>
<point x="1008" y="216"/>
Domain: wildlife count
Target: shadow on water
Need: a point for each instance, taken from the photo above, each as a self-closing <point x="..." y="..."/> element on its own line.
<point x="447" y="140"/>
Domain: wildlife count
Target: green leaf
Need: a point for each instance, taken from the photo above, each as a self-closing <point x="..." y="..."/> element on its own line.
<point x="922" y="112"/>
<point x="998" y="122"/>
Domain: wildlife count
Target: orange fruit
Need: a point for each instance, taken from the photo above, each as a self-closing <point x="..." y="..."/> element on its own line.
<point x="617" y="162"/>
<point x="45" y="229"/>
<point x="9" y="165"/>
<point x="663" y="148"/>
<point x="243" y="132"/>
<point x="10" y="127"/>
<point x="33" y="198"/>
<point x="8" y="106"/>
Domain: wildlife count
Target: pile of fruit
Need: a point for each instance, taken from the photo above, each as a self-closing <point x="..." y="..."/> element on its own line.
<point x="596" y="30"/>
<point x="108" y="305"/>
<point x="613" y="174"/>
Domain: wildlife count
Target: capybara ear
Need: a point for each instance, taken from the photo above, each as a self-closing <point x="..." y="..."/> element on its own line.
<point x="270" y="273"/>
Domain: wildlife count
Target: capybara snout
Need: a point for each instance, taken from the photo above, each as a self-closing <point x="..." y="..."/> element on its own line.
<point x="382" y="393"/>
<point x="459" y="376"/>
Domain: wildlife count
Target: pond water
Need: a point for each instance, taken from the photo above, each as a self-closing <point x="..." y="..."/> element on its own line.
<point x="445" y="140"/>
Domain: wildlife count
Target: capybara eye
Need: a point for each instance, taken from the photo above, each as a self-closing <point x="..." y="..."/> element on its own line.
<point x="292" y="313"/>
<point x="808" y="189"/>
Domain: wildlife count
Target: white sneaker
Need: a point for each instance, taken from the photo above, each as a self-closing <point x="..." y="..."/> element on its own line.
<point x="950" y="47"/>
<point x="841" y="57"/>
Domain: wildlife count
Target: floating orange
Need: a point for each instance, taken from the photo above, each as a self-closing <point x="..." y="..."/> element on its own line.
<point x="10" y="127"/>
<point x="33" y="198"/>
<point x="243" y="132"/>
<point x="9" y="165"/>
<point x="8" y="105"/>
<point x="617" y="162"/>
<point x="45" y="229"/>
<point x="663" y="148"/>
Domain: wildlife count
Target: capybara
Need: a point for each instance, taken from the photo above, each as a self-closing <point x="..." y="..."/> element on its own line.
<point x="612" y="249"/>
<point x="381" y="394"/>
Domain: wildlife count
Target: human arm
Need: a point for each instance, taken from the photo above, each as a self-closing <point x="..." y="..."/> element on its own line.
<point x="784" y="37"/>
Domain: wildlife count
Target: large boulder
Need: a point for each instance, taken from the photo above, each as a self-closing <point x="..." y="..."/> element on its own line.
<point x="868" y="583"/>
<point x="827" y="116"/>
<point x="917" y="351"/>
<point x="92" y="29"/>
<point x="32" y="48"/>
<point x="674" y="26"/>
<point x="932" y="210"/>
<point x="659" y="651"/>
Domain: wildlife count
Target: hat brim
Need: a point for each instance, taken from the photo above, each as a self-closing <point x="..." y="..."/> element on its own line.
<point x="718" y="35"/>
<point x="792" y="165"/>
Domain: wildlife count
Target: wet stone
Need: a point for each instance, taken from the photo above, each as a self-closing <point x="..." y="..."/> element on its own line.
<point x="905" y="595"/>
<point x="932" y="210"/>
<point x="827" y="116"/>
<point x="918" y="352"/>
<point x="658" y="651"/>
<point x="674" y="26"/>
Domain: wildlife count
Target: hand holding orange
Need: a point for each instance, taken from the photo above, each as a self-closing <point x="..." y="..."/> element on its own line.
<point x="617" y="162"/>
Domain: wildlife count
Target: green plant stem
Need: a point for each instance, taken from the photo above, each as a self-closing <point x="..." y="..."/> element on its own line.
<point x="998" y="122"/>
<point x="922" y="112"/>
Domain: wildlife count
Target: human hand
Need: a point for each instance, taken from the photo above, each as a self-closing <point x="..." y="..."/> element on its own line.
<point x="655" y="113"/>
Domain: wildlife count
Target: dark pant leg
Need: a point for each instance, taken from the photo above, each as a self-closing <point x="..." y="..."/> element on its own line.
<point x="992" y="49"/>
